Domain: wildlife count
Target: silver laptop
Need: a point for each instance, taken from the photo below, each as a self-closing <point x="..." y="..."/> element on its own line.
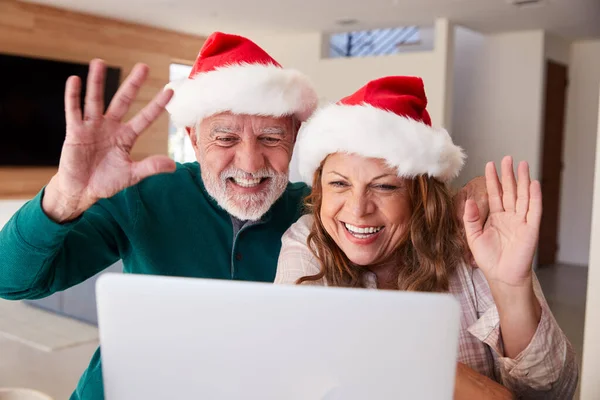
<point x="179" y="338"/>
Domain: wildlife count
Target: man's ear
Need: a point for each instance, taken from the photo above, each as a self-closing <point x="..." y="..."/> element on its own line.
<point x="191" y="132"/>
<point x="295" y="128"/>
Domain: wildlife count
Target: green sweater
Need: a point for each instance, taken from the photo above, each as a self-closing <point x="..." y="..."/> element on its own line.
<point x="165" y="225"/>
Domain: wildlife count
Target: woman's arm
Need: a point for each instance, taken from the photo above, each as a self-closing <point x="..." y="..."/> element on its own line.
<point x="545" y="368"/>
<point x="520" y="312"/>
<point x="535" y="357"/>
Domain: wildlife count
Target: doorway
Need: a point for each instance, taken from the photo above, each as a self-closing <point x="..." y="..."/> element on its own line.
<point x="552" y="159"/>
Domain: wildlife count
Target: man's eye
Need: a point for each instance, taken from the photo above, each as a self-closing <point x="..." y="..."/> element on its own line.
<point x="271" y="140"/>
<point x="226" y="139"/>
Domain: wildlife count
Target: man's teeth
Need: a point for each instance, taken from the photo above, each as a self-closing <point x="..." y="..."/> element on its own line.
<point x="360" y="232"/>
<point x="247" y="182"/>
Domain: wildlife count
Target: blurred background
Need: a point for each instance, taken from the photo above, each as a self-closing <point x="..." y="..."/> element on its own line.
<point x="518" y="77"/>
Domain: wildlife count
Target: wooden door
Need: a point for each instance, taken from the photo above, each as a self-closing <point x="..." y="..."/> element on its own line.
<point x="552" y="159"/>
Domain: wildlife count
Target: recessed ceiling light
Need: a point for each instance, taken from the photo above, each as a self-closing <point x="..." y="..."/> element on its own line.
<point x="346" y="21"/>
<point x="527" y="3"/>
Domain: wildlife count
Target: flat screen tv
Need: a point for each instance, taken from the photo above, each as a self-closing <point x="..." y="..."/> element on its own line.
<point x="32" y="110"/>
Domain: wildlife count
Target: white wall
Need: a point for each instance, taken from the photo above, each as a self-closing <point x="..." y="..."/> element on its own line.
<point x="338" y="77"/>
<point x="557" y="49"/>
<point x="468" y="112"/>
<point x="8" y="208"/>
<point x="590" y="384"/>
<point x="498" y="98"/>
<point x="427" y="43"/>
<point x="335" y="78"/>
<point x="579" y="153"/>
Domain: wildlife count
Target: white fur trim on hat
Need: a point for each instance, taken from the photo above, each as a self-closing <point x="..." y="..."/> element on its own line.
<point x="254" y="89"/>
<point x="410" y="146"/>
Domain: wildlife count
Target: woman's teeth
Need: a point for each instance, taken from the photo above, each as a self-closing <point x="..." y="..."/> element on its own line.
<point x="247" y="182"/>
<point x="362" y="233"/>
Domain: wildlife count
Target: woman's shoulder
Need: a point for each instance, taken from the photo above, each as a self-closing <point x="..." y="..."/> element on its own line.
<point x="295" y="259"/>
<point x="470" y="286"/>
<point x="299" y="230"/>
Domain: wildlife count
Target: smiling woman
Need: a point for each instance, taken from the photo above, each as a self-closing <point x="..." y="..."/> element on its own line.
<point x="382" y="218"/>
<point x="375" y="217"/>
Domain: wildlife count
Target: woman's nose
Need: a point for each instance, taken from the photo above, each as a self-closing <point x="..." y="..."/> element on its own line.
<point x="360" y="204"/>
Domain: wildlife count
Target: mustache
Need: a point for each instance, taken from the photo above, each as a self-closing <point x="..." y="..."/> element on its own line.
<point x="238" y="173"/>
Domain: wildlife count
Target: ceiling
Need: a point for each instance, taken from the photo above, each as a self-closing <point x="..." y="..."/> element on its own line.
<point x="568" y="18"/>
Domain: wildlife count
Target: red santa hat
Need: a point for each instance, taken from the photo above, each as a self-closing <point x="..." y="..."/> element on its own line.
<point x="384" y="119"/>
<point x="234" y="74"/>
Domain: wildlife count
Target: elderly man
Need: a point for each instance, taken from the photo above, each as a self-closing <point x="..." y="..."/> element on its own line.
<point x="220" y="218"/>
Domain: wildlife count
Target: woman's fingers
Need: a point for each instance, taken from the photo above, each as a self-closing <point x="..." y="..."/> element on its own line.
<point x="472" y="221"/>
<point x="493" y="188"/>
<point x="523" y="188"/>
<point x="509" y="185"/>
<point x="534" y="213"/>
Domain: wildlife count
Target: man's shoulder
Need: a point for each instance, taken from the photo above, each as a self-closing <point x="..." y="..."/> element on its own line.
<point x="297" y="189"/>
<point x="294" y="195"/>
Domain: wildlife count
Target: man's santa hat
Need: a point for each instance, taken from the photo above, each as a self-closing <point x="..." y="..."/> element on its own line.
<point x="385" y="119"/>
<point x="234" y="74"/>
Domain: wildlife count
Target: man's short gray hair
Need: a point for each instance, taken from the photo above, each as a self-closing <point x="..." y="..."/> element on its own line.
<point x="296" y="123"/>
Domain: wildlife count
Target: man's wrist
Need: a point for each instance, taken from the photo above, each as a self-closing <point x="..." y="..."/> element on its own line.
<point x="57" y="206"/>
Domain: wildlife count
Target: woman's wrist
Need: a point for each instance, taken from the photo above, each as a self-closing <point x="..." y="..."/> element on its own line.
<point x="520" y="313"/>
<point x="517" y="299"/>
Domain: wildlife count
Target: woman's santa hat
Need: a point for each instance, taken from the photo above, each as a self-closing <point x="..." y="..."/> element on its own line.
<point x="234" y="74"/>
<point x="384" y="119"/>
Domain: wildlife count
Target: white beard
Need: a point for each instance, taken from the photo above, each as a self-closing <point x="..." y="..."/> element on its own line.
<point x="246" y="207"/>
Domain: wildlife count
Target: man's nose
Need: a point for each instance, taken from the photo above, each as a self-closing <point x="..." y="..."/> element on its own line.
<point x="249" y="157"/>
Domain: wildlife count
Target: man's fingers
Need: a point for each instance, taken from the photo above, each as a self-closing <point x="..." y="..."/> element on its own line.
<point x="127" y="92"/>
<point x="151" y="166"/>
<point x="94" y="96"/>
<point x="73" y="101"/>
<point x="151" y="112"/>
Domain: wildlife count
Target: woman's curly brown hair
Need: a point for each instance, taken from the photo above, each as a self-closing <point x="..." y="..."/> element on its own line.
<point x="430" y="251"/>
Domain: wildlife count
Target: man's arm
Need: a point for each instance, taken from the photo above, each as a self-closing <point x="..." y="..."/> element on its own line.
<point x="68" y="232"/>
<point x="39" y="256"/>
<point x="472" y="385"/>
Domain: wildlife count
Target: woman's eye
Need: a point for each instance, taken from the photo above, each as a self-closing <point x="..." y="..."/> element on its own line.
<point x="387" y="188"/>
<point x="338" y="184"/>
